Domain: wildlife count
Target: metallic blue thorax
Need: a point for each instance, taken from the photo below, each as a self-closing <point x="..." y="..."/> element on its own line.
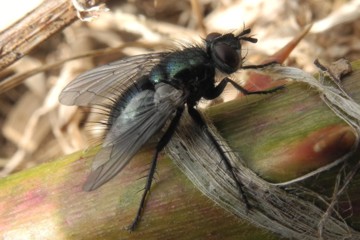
<point x="180" y="64"/>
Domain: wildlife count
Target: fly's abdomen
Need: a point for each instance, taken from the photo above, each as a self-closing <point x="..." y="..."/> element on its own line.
<point x="133" y="112"/>
<point x="127" y="99"/>
<point x="142" y="113"/>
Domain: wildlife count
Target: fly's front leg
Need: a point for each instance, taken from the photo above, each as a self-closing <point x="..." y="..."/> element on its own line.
<point x="200" y="121"/>
<point x="247" y="92"/>
<point x="221" y="86"/>
<point x="161" y="144"/>
<point x="259" y="66"/>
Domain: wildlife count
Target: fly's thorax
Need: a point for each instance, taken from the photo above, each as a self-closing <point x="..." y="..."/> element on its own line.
<point x="180" y="66"/>
<point x="190" y="70"/>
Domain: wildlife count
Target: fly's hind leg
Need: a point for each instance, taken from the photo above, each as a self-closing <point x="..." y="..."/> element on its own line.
<point x="161" y="144"/>
<point x="199" y="120"/>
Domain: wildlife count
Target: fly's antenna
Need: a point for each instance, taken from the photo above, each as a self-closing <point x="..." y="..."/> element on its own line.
<point x="242" y="36"/>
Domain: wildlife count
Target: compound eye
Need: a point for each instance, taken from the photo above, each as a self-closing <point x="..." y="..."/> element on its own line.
<point x="227" y="55"/>
<point x="211" y="36"/>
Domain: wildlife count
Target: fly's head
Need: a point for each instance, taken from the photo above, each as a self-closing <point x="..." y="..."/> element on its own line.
<point x="225" y="50"/>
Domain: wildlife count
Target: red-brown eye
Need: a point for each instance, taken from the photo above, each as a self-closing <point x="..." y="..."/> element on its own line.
<point x="226" y="55"/>
<point x="211" y="36"/>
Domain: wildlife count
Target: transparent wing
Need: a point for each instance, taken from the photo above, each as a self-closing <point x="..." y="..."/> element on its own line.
<point x="104" y="82"/>
<point x="144" y="115"/>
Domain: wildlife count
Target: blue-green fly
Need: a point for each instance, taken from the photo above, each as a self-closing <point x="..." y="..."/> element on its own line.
<point x="145" y="92"/>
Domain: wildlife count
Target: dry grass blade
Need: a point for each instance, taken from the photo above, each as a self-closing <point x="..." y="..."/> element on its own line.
<point x="20" y="38"/>
<point x="14" y="81"/>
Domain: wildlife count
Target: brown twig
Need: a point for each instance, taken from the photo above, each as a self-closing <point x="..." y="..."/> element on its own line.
<point x="47" y="19"/>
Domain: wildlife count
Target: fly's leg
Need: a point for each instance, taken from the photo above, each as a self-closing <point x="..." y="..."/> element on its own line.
<point x="247" y="92"/>
<point x="214" y="93"/>
<point x="161" y="144"/>
<point x="200" y="121"/>
<point x="259" y="66"/>
<point x="221" y="86"/>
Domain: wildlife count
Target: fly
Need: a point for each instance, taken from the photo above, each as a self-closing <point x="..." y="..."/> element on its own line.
<point x="144" y="92"/>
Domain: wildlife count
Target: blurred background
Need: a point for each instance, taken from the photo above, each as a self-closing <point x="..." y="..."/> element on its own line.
<point x="35" y="128"/>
